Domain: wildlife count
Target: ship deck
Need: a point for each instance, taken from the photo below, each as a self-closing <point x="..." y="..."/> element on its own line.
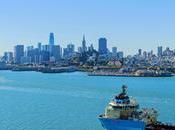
<point x="160" y="126"/>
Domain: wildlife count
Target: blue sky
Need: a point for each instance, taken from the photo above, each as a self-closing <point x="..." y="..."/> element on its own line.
<point x="127" y="24"/>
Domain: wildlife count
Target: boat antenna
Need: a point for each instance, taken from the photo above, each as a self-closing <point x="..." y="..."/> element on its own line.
<point x="124" y="89"/>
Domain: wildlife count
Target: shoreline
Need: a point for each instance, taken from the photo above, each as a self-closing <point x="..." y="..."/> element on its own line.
<point x="68" y="70"/>
<point x="91" y="71"/>
<point x="125" y="75"/>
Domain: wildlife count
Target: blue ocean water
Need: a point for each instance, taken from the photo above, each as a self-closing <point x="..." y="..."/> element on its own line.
<point x="73" y="101"/>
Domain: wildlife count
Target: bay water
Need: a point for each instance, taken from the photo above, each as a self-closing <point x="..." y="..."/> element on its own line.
<point x="73" y="101"/>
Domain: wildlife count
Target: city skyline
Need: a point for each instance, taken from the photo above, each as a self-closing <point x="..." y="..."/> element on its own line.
<point x="84" y="45"/>
<point x="127" y="25"/>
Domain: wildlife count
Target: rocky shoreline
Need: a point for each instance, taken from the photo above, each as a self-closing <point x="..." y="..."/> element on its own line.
<point x="128" y="74"/>
<point x="91" y="71"/>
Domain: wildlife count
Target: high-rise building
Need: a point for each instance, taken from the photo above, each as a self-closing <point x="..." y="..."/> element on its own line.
<point x="150" y="54"/>
<point x="140" y="52"/>
<point x="80" y="50"/>
<point x="102" y="46"/>
<point x="5" y="56"/>
<point x="45" y="48"/>
<point x="18" y="53"/>
<point x="69" y="51"/>
<point x="29" y="48"/>
<point x="145" y="55"/>
<point x="114" y="50"/>
<point x="44" y="57"/>
<point x="28" y="51"/>
<point x="168" y="52"/>
<point x="91" y="48"/>
<point x="159" y="51"/>
<point x="56" y="52"/>
<point x="9" y="57"/>
<point x="120" y="54"/>
<point x="39" y="46"/>
<point x="51" y="39"/>
<point x="71" y="48"/>
<point x="84" y="47"/>
<point x="32" y="55"/>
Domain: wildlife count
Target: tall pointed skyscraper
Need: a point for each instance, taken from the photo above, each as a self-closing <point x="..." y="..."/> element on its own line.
<point x="51" y="39"/>
<point x="84" y="48"/>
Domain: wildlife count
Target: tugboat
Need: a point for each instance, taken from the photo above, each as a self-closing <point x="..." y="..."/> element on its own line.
<point x="123" y="113"/>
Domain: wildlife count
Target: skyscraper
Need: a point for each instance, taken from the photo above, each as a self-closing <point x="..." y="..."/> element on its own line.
<point x="71" y="48"/>
<point x="91" y="48"/>
<point x="140" y="52"/>
<point x="114" y="50"/>
<point x="159" y="51"/>
<point x="102" y="46"/>
<point x="84" y="48"/>
<point x="51" y="39"/>
<point x="45" y="48"/>
<point x="80" y="50"/>
<point x="8" y="57"/>
<point x="39" y="46"/>
<point x="18" y="53"/>
<point x="69" y="51"/>
<point x="5" y="56"/>
<point x="56" y="52"/>
<point x="145" y="54"/>
<point x="120" y="54"/>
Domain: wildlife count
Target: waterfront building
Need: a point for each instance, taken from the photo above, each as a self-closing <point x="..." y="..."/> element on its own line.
<point x="18" y="53"/>
<point x="102" y="46"/>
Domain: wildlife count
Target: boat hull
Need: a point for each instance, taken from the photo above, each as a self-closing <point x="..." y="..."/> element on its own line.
<point x="118" y="124"/>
